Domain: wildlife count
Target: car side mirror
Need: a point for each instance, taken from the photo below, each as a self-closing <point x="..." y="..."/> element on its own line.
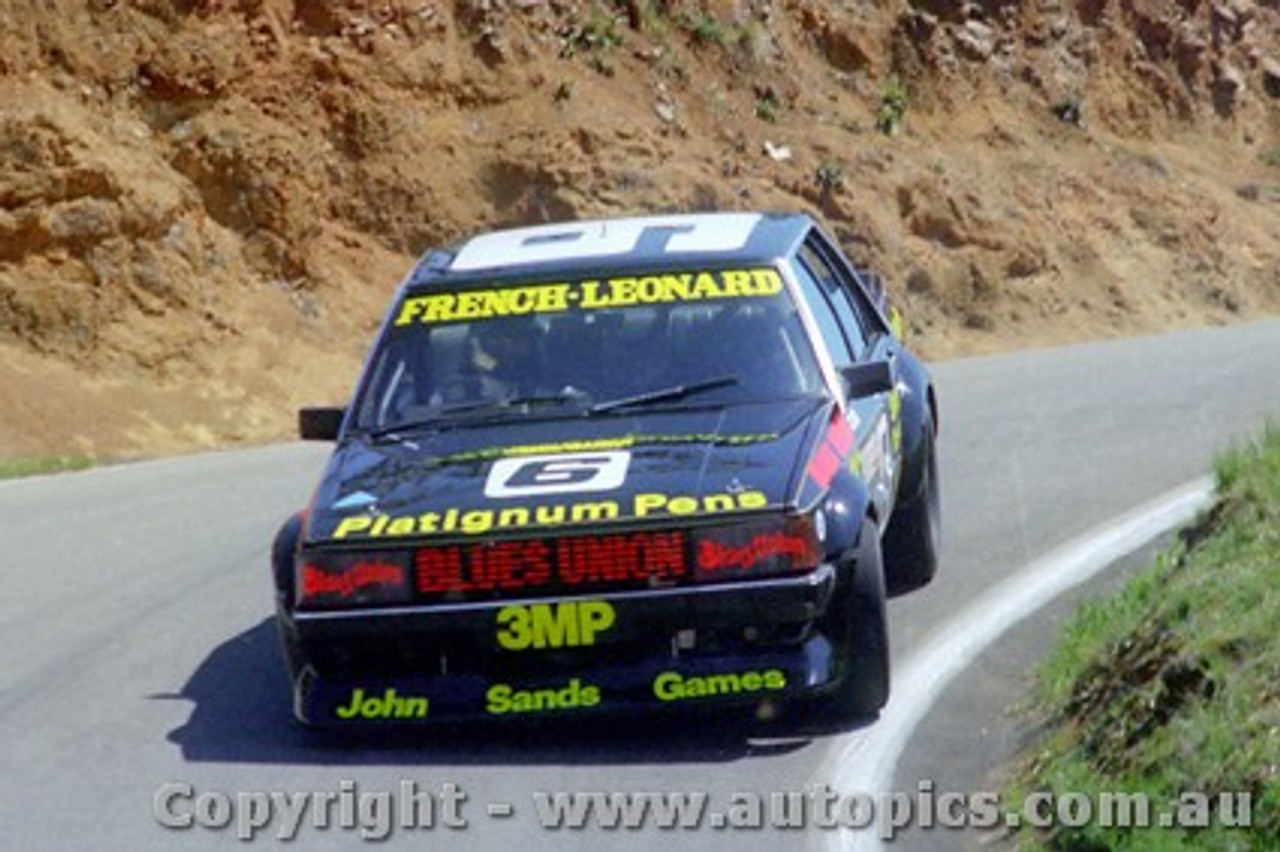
<point x="866" y="379"/>
<point x="320" y="423"/>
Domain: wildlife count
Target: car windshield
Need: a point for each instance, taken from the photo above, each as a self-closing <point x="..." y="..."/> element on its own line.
<point x="595" y="345"/>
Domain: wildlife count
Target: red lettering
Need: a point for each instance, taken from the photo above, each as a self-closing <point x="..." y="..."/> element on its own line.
<point x="570" y="560"/>
<point x="618" y="558"/>
<point x="439" y="569"/>
<point x="483" y="567"/>
<point x="535" y="562"/>
<point x="665" y="556"/>
<point x="316" y="582"/>
<point x="574" y="561"/>
<point x="715" y="556"/>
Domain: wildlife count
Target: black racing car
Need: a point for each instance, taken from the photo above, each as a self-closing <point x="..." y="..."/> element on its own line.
<point x="624" y="464"/>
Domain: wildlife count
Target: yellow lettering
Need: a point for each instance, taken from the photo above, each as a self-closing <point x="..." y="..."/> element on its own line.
<point x="522" y="300"/>
<point x="595" y="617"/>
<point x="504" y="698"/>
<point x="673" y="686"/>
<point x="517" y="516"/>
<point x="666" y="687"/>
<point x="553" y="298"/>
<point x="606" y="510"/>
<point x="682" y="506"/>
<point x="555" y="627"/>
<point x="677" y="287"/>
<point x="548" y="515"/>
<point x="470" y="306"/>
<point x="707" y="288"/>
<point x="567" y="624"/>
<point x="439" y="308"/>
<point x="402" y="526"/>
<point x="355" y="524"/>
<point x="645" y="504"/>
<point x="767" y="282"/>
<point x="477" y="521"/>
<point x="652" y="289"/>
<point x="622" y="292"/>
<point x="387" y="706"/>
<point x="736" y="281"/>
<point x="498" y="698"/>
<point x="515" y="633"/>
<point x="409" y="310"/>
<point x="590" y="297"/>
<point x="719" y="502"/>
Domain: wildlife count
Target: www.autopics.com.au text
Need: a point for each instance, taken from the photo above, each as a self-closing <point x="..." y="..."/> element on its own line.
<point x="411" y="807"/>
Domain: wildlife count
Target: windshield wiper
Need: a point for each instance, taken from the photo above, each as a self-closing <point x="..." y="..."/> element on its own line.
<point x="490" y="408"/>
<point x="663" y="394"/>
<point x="569" y="394"/>
<point x="405" y="426"/>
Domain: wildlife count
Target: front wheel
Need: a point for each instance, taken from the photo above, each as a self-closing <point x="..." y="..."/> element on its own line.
<point x="914" y="537"/>
<point x="856" y="624"/>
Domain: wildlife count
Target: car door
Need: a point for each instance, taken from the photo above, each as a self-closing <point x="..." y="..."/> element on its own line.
<point x="855" y="333"/>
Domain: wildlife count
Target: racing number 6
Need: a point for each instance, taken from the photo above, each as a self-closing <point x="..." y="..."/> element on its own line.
<point x="564" y="473"/>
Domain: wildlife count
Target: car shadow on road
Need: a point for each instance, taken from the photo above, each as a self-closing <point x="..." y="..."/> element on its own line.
<point x="242" y="714"/>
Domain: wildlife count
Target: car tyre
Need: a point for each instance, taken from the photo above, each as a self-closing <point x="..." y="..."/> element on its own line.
<point x="914" y="537"/>
<point x="857" y="626"/>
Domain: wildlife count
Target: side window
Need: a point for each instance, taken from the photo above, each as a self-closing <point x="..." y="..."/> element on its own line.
<point x="864" y="288"/>
<point x="828" y="323"/>
<point x="840" y="298"/>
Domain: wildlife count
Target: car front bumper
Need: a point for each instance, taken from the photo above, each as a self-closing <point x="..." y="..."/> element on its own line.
<point x="736" y="644"/>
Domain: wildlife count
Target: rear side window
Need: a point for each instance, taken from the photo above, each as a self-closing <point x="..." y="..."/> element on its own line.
<point x="815" y="294"/>
<point x="864" y="290"/>
<point x="841" y="301"/>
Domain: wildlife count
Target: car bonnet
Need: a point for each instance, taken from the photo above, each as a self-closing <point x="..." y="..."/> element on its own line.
<point x="652" y="467"/>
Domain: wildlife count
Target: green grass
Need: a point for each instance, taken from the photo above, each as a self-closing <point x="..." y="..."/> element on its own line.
<point x="1173" y="685"/>
<point x="13" y="468"/>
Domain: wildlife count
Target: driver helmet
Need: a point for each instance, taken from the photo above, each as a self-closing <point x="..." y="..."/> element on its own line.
<point x="506" y="349"/>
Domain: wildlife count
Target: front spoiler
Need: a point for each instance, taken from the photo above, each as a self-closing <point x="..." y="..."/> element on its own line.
<point x="383" y="684"/>
<point x="743" y="679"/>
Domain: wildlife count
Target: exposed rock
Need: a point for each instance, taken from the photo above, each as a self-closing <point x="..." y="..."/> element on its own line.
<point x="214" y="198"/>
<point x="976" y="40"/>
<point x="1228" y="87"/>
<point x="1271" y="76"/>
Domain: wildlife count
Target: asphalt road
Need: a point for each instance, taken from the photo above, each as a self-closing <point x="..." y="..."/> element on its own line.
<point x="139" y="659"/>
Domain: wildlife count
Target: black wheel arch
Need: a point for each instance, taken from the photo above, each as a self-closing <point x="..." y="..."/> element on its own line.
<point x="283" y="551"/>
<point x="919" y="418"/>
<point x="846" y="506"/>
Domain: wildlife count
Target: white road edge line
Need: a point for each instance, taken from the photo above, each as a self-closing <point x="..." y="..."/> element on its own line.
<point x="866" y="763"/>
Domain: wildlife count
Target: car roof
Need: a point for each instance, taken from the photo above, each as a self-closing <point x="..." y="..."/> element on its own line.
<point x="620" y="245"/>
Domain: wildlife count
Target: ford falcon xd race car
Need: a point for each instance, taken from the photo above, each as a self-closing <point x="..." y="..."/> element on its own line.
<point x="617" y="465"/>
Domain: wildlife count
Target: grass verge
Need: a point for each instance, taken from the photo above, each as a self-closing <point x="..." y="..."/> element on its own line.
<point x="1171" y="688"/>
<point x="13" y="468"/>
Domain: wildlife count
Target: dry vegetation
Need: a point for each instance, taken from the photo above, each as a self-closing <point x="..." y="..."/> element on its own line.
<point x="205" y="204"/>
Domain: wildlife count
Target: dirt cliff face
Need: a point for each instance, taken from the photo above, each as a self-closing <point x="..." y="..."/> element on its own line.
<point x="205" y="205"/>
